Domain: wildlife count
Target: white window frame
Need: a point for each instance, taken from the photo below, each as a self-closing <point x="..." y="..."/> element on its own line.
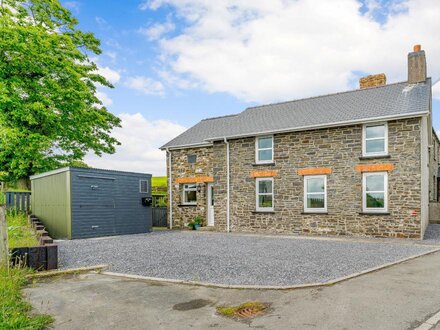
<point x="364" y="140"/>
<point x="364" y="193"/>
<point x="257" y="161"/>
<point x="257" y="194"/>
<point x="184" y="202"/>
<point x="315" y="210"/>
<point x="140" y="186"/>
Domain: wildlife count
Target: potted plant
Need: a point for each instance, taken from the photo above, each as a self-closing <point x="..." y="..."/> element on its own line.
<point x="196" y="223"/>
<point x="198" y="220"/>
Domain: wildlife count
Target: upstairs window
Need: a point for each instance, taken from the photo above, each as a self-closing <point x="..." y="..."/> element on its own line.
<point x="264" y="149"/>
<point x="315" y="193"/>
<point x="189" y="194"/>
<point x="375" y="191"/>
<point x="375" y="140"/>
<point x="264" y="194"/>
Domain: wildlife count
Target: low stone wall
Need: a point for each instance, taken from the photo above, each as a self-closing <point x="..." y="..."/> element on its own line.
<point x="42" y="257"/>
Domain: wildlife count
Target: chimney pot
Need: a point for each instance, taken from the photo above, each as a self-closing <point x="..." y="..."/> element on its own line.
<point x="417" y="48"/>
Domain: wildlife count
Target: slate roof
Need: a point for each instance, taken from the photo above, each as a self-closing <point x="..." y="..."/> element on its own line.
<point x="391" y="101"/>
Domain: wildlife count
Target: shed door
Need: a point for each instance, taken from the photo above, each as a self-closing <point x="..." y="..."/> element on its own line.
<point x="93" y="206"/>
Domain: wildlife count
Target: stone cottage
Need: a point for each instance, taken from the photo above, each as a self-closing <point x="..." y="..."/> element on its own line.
<point x="361" y="163"/>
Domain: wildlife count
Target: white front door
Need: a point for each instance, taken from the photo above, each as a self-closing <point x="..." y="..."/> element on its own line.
<point x="210" y="202"/>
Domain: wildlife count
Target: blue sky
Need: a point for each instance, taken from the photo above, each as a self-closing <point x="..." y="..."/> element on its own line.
<point x="117" y="25"/>
<point x="174" y="62"/>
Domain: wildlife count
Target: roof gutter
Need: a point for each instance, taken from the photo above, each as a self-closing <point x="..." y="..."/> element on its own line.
<point x="187" y="146"/>
<point x="336" y="124"/>
<point x="227" y="186"/>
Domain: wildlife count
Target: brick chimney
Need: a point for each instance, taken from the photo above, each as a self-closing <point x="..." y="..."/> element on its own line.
<point x="373" y="80"/>
<point x="416" y="65"/>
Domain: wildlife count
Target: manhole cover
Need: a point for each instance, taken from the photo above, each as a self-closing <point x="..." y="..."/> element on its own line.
<point x="244" y="311"/>
<point x="250" y="312"/>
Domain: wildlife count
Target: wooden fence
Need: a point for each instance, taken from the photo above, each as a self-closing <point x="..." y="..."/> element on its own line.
<point x="19" y="201"/>
<point x="159" y="200"/>
<point x="159" y="216"/>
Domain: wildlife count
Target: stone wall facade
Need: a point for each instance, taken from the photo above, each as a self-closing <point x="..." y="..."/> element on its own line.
<point x="181" y="168"/>
<point x="339" y="149"/>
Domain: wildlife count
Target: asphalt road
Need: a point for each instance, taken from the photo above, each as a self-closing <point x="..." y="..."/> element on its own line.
<point x="398" y="297"/>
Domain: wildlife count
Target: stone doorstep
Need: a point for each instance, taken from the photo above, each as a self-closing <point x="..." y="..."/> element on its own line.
<point x="208" y="228"/>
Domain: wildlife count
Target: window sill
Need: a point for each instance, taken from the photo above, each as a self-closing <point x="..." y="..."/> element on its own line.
<point x="305" y="213"/>
<point x="374" y="213"/>
<point x="374" y="157"/>
<point x="187" y="205"/>
<point x="263" y="212"/>
<point x="263" y="164"/>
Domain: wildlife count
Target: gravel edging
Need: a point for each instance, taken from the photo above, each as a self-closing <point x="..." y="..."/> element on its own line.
<point x="230" y="260"/>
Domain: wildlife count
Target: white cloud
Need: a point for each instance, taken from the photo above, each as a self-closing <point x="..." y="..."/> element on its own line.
<point x="102" y="23"/>
<point x="111" y="75"/>
<point x="157" y="30"/>
<point x="73" y="6"/>
<point x="105" y="99"/>
<point x="150" y="4"/>
<point x="145" y="85"/>
<point x="436" y="90"/>
<point x="140" y="140"/>
<point x="274" y="50"/>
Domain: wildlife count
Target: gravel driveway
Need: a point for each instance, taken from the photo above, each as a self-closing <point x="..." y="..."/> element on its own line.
<point x="232" y="258"/>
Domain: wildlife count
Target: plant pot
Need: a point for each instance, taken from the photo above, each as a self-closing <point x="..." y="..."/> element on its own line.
<point x="197" y="227"/>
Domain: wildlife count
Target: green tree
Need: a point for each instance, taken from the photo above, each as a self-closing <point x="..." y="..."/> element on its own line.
<point x="49" y="113"/>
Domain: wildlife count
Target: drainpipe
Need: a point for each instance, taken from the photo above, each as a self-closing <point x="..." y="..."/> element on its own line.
<point x="170" y="184"/>
<point x="227" y="185"/>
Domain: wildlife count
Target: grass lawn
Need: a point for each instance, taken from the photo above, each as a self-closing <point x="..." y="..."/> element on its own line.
<point x="20" y="233"/>
<point x="159" y="181"/>
<point x="159" y="185"/>
<point x="15" y="312"/>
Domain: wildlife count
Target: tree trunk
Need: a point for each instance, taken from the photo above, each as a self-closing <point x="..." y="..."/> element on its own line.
<point x="23" y="184"/>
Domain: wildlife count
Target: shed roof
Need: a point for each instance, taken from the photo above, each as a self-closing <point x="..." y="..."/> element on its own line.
<point x="392" y="101"/>
<point x="85" y="169"/>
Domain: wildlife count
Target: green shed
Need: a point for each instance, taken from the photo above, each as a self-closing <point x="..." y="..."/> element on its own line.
<point x="87" y="202"/>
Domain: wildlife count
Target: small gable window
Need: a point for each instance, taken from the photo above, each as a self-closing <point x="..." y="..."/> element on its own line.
<point x="264" y="149"/>
<point x="192" y="159"/>
<point x="375" y="140"/>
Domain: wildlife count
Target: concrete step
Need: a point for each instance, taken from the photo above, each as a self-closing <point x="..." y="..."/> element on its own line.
<point x="208" y="228"/>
